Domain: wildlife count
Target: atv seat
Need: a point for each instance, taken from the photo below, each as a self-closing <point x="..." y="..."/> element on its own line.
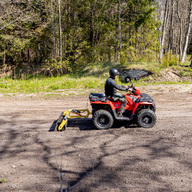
<point x="97" y="97"/>
<point x="110" y="99"/>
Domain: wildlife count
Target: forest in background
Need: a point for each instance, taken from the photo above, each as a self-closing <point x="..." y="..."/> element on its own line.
<point x="67" y="35"/>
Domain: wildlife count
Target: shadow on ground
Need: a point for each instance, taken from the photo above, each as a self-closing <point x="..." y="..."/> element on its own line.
<point x="86" y="124"/>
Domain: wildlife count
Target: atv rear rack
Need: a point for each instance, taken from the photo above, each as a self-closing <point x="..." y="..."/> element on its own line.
<point x="61" y="123"/>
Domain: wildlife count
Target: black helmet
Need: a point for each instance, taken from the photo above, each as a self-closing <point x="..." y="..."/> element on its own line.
<point x="113" y="72"/>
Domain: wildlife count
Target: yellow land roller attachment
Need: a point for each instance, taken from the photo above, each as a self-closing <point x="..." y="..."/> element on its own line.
<point x="61" y="123"/>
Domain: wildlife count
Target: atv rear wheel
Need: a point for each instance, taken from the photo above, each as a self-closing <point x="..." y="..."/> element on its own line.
<point x="146" y="118"/>
<point x="102" y="119"/>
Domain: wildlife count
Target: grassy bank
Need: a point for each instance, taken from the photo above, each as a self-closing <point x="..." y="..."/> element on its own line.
<point x="50" y="84"/>
<point x="56" y="85"/>
<point x="90" y="79"/>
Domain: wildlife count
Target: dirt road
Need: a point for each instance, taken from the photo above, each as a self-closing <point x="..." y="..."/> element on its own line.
<point x="120" y="159"/>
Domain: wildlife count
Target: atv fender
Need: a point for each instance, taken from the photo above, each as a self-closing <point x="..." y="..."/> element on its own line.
<point x="141" y="104"/>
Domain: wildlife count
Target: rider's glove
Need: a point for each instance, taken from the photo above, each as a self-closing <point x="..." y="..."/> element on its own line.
<point x="130" y="88"/>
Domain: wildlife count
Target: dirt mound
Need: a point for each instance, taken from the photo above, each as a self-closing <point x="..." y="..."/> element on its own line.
<point x="170" y="75"/>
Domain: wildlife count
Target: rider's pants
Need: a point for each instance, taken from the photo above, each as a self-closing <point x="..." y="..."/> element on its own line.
<point x="120" y="97"/>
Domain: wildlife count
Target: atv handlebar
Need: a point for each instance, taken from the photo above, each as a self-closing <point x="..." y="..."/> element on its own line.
<point x="133" y="89"/>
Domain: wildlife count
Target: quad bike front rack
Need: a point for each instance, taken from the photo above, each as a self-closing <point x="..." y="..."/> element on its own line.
<point x="61" y="123"/>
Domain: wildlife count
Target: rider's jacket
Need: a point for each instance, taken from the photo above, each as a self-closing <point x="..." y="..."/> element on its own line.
<point x="111" y="87"/>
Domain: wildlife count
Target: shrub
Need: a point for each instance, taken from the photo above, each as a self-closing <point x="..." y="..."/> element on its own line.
<point x="169" y="60"/>
<point x="182" y="73"/>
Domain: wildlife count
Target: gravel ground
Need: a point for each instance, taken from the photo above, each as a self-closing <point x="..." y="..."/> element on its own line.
<point x="83" y="159"/>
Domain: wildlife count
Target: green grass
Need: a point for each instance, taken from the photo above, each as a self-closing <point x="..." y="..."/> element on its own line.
<point x="3" y="180"/>
<point x="60" y="84"/>
<point x="50" y="84"/>
<point x="92" y="78"/>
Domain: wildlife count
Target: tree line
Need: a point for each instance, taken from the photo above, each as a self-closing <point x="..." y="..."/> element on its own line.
<point x="70" y="34"/>
<point x="175" y="27"/>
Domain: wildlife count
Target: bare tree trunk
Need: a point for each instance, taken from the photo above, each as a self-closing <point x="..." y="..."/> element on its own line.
<point x="97" y="30"/>
<point x="164" y="26"/>
<point x="53" y="31"/>
<point x="170" y="45"/>
<point x="120" y="25"/>
<point x="60" y="31"/>
<point x="188" y="33"/>
<point x="4" y="58"/>
<point x="160" y="10"/>
<point x="180" y="32"/>
<point x="92" y="26"/>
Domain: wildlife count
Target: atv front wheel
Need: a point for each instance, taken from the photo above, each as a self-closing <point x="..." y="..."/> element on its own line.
<point x="146" y="118"/>
<point x="102" y="119"/>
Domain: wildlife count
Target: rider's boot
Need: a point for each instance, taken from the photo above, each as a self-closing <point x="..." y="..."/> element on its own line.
<point x="120" y="112"/>
<point x="121" y="109"/>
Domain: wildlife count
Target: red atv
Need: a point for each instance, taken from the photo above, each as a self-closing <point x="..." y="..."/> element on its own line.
<point x="140" y="109"/>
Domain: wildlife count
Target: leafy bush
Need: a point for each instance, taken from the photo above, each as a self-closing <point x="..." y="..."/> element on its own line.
<point x="169" y="60"/>
<point x="55" y="67"/>
<point x="182" y="73"/>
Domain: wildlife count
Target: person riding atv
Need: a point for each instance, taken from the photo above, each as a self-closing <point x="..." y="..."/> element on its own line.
<point x="137" y="108"/>
<point x="111" y="90"/>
